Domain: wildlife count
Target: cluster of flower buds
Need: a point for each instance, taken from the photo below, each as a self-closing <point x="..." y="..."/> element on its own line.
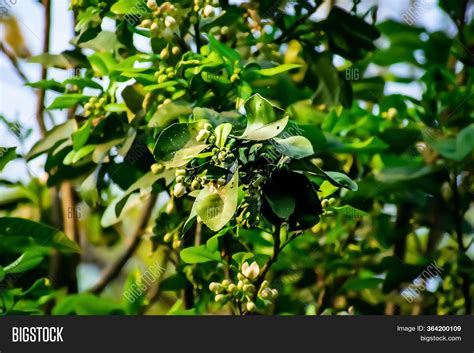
<point x="207" y="7"/>
<point x="244" y="291"/>
<point x="163" y="23"/>
<point x="172" y="239"/>
<point x="95" y="106"/>
<point x="327" y="203"/>
<point x="183" y="182"/>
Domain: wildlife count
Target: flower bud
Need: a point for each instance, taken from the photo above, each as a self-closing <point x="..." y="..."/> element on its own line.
<point x="265" y="284"/>
<point x="240" y="285"/>
<point x="219" y="298"/>
<point x="220" y="181"/>
<point x="176" y="244"/>
<point x="274" y="293"/>
<point x="157" y="168"/>
<point x="179" y="190"/>
<point x="266" y="293"/>
<point x="324" y="203"/>
<point x="225" y="283"/>
<point x="195" y="184"/>
<point x="151" y="4"/>
<point x="180" y="172"/>
<point x="169" y="21"/>
<point x="240" y="276"/>
<point x="214" y="287"/>
<point x="251" y="306"/>
<point x="332" y="201"/>
<point x="154" y="27"/>
<point x="167" y="237"/>
<point x="224" y="30"/>
<point x="176" y="50"/>
<point x="146" y="23"/>
<point x="212" y="139"/>
<point x="248" y="288"/>
<point x="232" y="287"/>
<point x="164" y="54"/>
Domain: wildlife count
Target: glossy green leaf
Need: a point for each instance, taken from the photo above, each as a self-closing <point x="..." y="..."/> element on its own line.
<point x="199" y="254"/>
<point x="264" y="120"/>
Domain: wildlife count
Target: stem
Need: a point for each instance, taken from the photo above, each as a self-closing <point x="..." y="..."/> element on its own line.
<point x="271" y="261"/>
<point x="44" y="69"/>
<point x="466" y="283"/>
<point x="14" y="62"/>
<point x="197" y="34"/>
<point x="113" y="271"/>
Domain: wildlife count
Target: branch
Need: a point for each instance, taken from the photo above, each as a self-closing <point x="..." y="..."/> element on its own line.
<point x="293" y="27"/>
<point x="44" y="69"/>
<point x="466" y="283"/>
<point x="271" y="261"/>
<point x="14" y="62"/>
<point x="114" y="270"/>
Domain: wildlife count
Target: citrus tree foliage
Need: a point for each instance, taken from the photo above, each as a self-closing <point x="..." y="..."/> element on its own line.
<point x="280" y="182"/>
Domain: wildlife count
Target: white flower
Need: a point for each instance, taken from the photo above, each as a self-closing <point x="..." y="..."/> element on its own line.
<point x="250" y="271"/>
<point x="208" y="11"/>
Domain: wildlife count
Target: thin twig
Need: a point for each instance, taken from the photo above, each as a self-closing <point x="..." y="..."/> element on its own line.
<point x="14" y="62"/>
<point x="114" y="270"/>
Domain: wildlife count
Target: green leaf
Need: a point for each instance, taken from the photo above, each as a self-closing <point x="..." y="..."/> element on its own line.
<point x="222" y="132"/>
<point x="199" y="254"/>
<point x="129" y="7"/>
<point x="28" y="260"/>
<point x="68" y="100"/>
<point x="340" y="179"/>
<point x="277" y="70"/>
<point x="51" y="60"/>
<point x="459" y="148"/>
<point x="86" y="304"/>
<point x="79" y="137"/>
<point x="358" y="284"/>
<point x="329" y="85"/>
<point x="223" y="50"/>
<point x="177" y="144"/>
<point x="39" y="233"/>
<point x="264" y="120"/>
<point x="7" y="154"/>
<point x="170" y="112"/>
<point x="104" y="42"/>
<point x="54" y="136"/>
<point x="217" y="207"/>
<point x="294" y="146"/>
<point x="349" y="211"/>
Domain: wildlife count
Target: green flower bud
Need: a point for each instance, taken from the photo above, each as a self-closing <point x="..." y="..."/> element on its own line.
<point x="324" y="203"/>
<point x="179" y="178"/>
<point x="193" y="19"/>
<point x="221" y="156"/>
<point x="151" y="4"/>
<point x="274" y="293"/>
<point x="240" y="285"/>
<point x="265" y="284"/>
<point x="266" y="293"/>
<point x="220" y="181"/>
<point x="332" y="201"/>
<point x="240" y="276"/>
<point x="167" y="237"/>
<point x="195" y="184"/>
<point x="225" y="283"/>
<point x="234" y="77"/>
<point x="180" y="172"/>
<point x="157" y="168"/>
<point x="154" y="27"/>
<point x="248" y="288"/>
<point x="212" y="139"/>
<point x="207" y="126"/>
<point x="176" y="244"/>
<point x="232" y="287"/>
<point x="167" y="101"/>
<point x="224" y="30"/>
